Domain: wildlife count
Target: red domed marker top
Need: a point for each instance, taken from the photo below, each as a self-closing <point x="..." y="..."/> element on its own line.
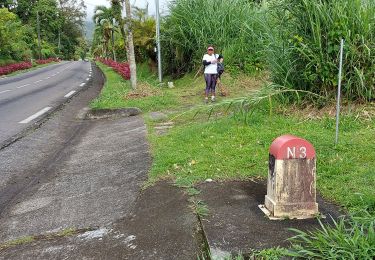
<point x="291" y="147"/>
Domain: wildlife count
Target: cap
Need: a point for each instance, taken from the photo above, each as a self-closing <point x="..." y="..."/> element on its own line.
<point x="210" y="48"/>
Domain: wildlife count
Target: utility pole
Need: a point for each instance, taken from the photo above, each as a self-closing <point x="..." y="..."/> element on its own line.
<point x="38" y="29"/>
<point x="158" y="39"/>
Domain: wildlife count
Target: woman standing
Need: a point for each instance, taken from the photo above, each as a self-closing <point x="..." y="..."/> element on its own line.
<point x="210" y="60"/>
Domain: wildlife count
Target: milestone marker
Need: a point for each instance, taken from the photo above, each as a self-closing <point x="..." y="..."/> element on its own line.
<point x="291" y="185"/>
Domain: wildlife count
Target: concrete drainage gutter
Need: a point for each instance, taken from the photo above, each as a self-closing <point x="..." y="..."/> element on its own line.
<point x="95" y="114"/>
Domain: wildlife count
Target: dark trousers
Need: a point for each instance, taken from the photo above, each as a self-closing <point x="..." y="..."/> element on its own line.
<point x="211" y="80"/>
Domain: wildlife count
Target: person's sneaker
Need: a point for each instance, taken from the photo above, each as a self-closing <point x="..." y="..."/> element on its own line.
<point x="213" y="99"/>
<point x="206" y="100"/>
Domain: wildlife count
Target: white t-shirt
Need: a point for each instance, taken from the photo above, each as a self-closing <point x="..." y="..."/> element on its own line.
<point x="211" y="68"/>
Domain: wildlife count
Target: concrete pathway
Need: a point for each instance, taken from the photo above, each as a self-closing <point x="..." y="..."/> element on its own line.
<point x="236" y="225"/>
<point x="71" y="189"/>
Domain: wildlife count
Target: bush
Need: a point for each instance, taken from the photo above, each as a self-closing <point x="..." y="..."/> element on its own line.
<point x="4" y="70"/>
<point x="303" y="53"/>
<point x="46" y="61"/>
<point x="121" y="68"/>
<point x="233" y="26"/>
<point x="5" y="61"/>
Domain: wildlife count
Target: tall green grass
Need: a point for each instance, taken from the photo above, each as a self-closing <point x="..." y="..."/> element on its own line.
<point x="345" y="239"/>
<point x="299" y="40"/>
<point x="303" y="51"/>
<point x="233" y="26"/>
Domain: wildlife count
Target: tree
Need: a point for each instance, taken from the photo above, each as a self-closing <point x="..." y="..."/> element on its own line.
<point x="103" y="18"/>
<point x="117" y="14"/>
<point x="143" y="34"/>
<point x="12" y="37"/>
<point x="72" y="14"/>
<point x="24" y="8"/>
<point x="61" y="26"/>
<point x="9" y="4"/>
<point x="126" y="32"/>
<point x="131" y="57"/>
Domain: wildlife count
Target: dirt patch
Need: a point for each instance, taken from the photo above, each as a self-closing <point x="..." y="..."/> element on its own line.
<point x="143" y="90"/>
<point x="251" y="83"/>
<point x="364" y="112"/>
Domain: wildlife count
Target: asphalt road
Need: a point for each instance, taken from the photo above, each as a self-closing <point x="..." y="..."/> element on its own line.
<point x="27" y="97"/>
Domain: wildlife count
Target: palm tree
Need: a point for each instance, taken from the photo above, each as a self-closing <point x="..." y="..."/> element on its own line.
<point x="104" y="20"/>
<point x="140" y="14"/>
<point x="127" y="36"/>
<point x="131" y="58"/>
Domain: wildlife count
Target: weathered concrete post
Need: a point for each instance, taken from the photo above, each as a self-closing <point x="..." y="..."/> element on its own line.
<point x="291" y="186"/>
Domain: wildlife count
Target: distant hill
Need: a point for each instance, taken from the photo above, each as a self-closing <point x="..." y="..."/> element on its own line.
<point x="89" y="30"/>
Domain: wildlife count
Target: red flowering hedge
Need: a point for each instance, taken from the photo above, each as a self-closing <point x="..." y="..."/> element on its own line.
<point x="45" y="61"/>
<point x="121" y="68"/>
<point x="4" y="70"/>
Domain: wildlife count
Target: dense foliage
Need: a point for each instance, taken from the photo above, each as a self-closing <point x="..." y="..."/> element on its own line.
<point x="304" y="49"/>
<point x="60" y="26"/>
<point x="121" y="68"/>
<point x="108" y="40"/>
<point x="233" y="26"/>
<point x="15" y="38"/>
<point x="298" y="41"/>
<point x="45" y="61"/>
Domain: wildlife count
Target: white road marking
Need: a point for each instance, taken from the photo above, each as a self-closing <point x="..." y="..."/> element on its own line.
<point x="37" y="114"/>
<point x="4" y="91"/>
<point x="54" y="74"/>
<point x="70" y="94"/>
<point x="24" y="86"/>
<point x="38" y="81"/>
<point x="82" y="84"/>
<point x="48" y="78"/>
<point x="87" y="79"/>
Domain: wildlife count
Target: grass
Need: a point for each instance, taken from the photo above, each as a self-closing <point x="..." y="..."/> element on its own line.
<point x="214" y="142"/>
<point x="233" y="26"/>
<point x="304" y="42"/>
<point x="200" y="208"/>
<point x="225" y="146"/>
<point x="16" y="242"/>
<point x="346" y="239"/>
<point x="116" y="89"/>
<point x="50" y="236"/>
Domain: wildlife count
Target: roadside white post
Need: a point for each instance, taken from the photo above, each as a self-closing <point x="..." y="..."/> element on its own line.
<point x="339" y="92"/>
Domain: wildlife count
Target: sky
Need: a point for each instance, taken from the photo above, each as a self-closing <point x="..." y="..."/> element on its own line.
<point x="140" y="3"/>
